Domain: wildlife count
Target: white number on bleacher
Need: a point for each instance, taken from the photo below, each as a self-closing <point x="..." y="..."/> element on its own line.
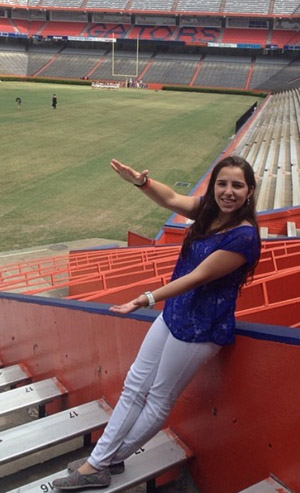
<point x="47" y="487"/>
<point x="73" y="414"/>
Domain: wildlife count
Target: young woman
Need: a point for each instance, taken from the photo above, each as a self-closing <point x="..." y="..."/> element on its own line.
<point x="220" y="250"/>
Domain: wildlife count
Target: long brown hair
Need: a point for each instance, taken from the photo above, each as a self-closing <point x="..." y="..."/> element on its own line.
<point x="209" y="210"/>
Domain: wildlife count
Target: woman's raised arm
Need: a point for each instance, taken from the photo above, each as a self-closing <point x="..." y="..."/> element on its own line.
<point x="163" y="195"/>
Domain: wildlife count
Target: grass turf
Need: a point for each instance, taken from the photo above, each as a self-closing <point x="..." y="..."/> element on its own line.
<point x="57" y="184"/>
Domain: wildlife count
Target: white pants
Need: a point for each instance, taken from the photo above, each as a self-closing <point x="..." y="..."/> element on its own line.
<point x="162" y="369"/>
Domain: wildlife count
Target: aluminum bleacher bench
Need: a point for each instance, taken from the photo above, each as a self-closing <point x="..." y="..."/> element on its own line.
<point x="34" y="394"/>
<point x="268" y="485"/>
<point x="164" y="452"/>
<point x="38" y="435"/>
<point x="13" y="375"/>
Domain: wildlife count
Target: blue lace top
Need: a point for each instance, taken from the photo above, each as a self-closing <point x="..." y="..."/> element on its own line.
<point x="206" y="313"/>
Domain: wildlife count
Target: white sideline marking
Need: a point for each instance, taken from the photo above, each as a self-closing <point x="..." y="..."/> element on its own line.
<point x="23" y="253"/>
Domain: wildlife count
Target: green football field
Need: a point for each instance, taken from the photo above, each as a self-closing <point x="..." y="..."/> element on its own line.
<point x="56" y="182"/>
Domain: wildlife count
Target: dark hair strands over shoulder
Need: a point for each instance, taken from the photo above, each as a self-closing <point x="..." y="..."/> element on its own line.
<point x="209" y="210"/>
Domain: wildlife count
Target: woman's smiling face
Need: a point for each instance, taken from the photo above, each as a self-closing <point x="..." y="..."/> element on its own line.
<point x="231" y="190"/>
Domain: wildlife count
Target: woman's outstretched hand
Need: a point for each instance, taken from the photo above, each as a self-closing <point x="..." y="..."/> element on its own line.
<point x="128" y="173"/>
<point x="131" y="306"/>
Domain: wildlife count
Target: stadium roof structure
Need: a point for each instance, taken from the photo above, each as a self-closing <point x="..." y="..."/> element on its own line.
<point x="260" y="8"/>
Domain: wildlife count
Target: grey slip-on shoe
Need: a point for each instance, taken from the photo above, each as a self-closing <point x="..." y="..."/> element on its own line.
<point x="77" y="481"/>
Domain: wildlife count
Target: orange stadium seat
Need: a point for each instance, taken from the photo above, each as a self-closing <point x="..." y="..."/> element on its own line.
<point x="283" y="37"/>
<point x="251" y="36"/>
<point x="162" y="33"/>
<point x="106" y="30"/>
<point x="6" y="26"/>
<point x="63" y="28"/>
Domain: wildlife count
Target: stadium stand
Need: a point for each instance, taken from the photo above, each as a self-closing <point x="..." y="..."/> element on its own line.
<point x="193" y="34"/>
<point x="198" y="6"/>
<point x="13" y="63"/>
<point x="6" y="26"/>
<point x="251" y="7"/>
<point x="264" y="68"/>
<point x="256" y="7"/>
<point x="166" y="70"/>
<point x="160" y="33"/>
<point x="246" y="36"/>
<point x="72" y="4"/>
<point x="70" y="66"/>
<point x="272" y="146"/>
<point x="36" y="61"/>
<point x="125" y="66"/>
<point x="28" y="3"/>
<point x="284" y="37"/>
<point x="106" y="4"/>
<point x="286" y="7"/>
<point x="217" y="71"/>
<point x="165" y="5"/>
<point x="285" y="78"/>
<point x="63" y="28"/>
<point x="107" y="30"/>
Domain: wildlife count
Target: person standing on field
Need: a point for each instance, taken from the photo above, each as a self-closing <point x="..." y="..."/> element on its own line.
<point x="19" y="103"/>
<point x="54" y="101"/>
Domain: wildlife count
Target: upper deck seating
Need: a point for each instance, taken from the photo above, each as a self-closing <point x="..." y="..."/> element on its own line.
<point x="61" y="3"/>
<point x="286" y="7"/>
<point x="26" y="3"/>
<point x="251" y="36"/>
<point x="165" y="5"/>
<point x="198" y="6"/>
<point x="63" y="28"/>
<point x="249" y="7"/>
<point x="106" y="4"/>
